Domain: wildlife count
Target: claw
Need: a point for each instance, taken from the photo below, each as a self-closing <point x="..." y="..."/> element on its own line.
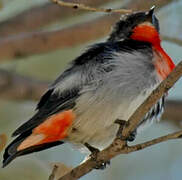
<point x="103" y="165"/>
<point x="94" y="151"/>
<point x="123" y="123"/>
<point x="132" y="136"/>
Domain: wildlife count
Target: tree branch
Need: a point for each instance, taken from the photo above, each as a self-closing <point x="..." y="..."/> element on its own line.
<point x="173" y="112"/>
<point x="120" y="146"/>
<point x="52" y="176"/>
<point x="61" y="170"/>
<point x="3" y="141"/>
<point x="40" y="42"/>
<point x="14" y="86"/>
<point x="173" y="40"/>
<point x="88" y="8"/>
<point x="144" y="145"/>
<point x="40" y="16"/>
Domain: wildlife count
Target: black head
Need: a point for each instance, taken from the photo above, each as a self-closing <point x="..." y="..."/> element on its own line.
<point x="124" y="28"/>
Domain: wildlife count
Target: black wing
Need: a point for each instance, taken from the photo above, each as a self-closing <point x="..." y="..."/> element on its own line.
<point x="49" y="105"/>
<point x="52" y="101"/>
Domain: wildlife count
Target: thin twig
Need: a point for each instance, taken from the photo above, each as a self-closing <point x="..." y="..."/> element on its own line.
<point x="88" y="8"/>
<point x="41" y="15"/>
<point x="119" y="146"/>
<point x="51" y="177"/>
<point x="47" y="13"/>
<point x="26" y="44"/>
<point x="3" y="141"/>
<point x="61" y="170"/>
<point x="174" y="40"/>
<point x="18" y="87"/>
<point x="172" y="112"/>
<point x="144" y="145"/>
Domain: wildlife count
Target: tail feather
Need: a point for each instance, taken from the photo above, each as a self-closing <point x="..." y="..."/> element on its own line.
<point x="11" y="151"/>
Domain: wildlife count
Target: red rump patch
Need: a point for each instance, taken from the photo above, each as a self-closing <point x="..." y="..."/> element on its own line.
<point x="53" y="129"/>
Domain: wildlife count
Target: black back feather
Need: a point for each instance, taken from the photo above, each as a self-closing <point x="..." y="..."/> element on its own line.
<point x="44" y="98"/>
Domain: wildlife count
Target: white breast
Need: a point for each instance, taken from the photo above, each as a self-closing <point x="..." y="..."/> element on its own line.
<point x="95" y="116"/>
<point x="114" y="95"/>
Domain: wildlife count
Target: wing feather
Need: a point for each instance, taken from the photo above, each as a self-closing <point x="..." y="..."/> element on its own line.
<point x="55" y="103"/>
<point x="85" y="71"/>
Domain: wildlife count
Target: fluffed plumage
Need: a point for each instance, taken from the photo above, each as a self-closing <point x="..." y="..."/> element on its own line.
<point x="107" y="82"/>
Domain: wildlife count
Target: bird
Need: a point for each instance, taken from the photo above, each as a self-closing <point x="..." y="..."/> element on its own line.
<point x="106" y="83"/>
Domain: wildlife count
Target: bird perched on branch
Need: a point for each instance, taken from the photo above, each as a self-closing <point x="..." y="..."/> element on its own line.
<point x="106" y="83"/>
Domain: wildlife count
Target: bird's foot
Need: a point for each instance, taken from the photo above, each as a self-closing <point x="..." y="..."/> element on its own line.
<point x="94" y="151"/>
<point x="103" y="165"/>
<point x="123" y="123"/>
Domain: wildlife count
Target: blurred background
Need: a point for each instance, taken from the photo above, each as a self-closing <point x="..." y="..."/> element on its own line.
<point x="37" y="40"/>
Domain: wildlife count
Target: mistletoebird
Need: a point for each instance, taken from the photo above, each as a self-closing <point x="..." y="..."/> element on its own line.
<point x="108" y="82"/>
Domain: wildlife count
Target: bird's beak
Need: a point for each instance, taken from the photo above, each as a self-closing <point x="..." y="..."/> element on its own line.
<point x="150" y="15"/>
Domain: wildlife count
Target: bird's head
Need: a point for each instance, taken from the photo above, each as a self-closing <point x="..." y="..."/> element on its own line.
<point x="140" y="26"/>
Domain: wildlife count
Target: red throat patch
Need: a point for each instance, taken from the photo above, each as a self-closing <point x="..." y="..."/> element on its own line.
<point x="147" y="33"/>
<point x="53" y="129"/>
